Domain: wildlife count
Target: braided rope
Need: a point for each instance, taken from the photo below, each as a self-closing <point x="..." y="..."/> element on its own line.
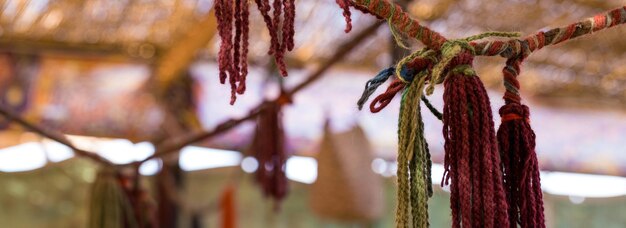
<point x="553" y="36"/>
<point x="413" y="167"/>
<point x="433" y="40"/>
<point x="401" y="20"/>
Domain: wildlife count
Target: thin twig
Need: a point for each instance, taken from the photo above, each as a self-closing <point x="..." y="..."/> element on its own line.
<point x="58" y="137"/>
<point x="175" y="144"/>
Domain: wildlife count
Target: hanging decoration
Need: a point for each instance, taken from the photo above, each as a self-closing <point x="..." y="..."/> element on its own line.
<point x="109" y="204"/>
<point x="493" y="183"/>
<point x="268" y="147"/>
<point x="516" y="140"/>
<point x="228" y="207"/>
<point x="233" y="54"/>
<point x="414" y="165"/>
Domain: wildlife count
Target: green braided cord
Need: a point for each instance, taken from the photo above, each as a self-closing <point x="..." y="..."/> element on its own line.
<point x="397" y="36"/>
<point x="493" y="34"/>
<point x="413" y="188"/>
<point x="464" y="69"/>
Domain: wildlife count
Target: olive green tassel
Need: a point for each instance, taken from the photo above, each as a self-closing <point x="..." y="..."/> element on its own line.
<point x="109" y="205"/>
<point x="414" y="165"/>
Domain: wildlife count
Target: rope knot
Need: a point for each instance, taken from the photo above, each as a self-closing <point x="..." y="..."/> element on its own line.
<point x="514" y="111"/>
<point x="449" y="50"/>
<point x="452" y="49"/>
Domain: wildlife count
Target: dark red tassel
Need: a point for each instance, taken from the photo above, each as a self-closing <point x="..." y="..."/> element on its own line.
<point x="233" y="54"/>
<point x="472" y="162"/>
<point x="269" y="150"/>
<point x="279" y="28"/>
<point x="519" y="161"/>
<point x="228" y="207"/>
<point x="243" y="57"/>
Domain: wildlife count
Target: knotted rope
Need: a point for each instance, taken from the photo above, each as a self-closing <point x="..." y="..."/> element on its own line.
<point x="472" y="162"/>
<point x="472" y="159"/>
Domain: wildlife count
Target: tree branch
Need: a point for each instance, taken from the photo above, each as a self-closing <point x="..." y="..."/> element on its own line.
<point x="56" y="136"/>
<point x="174" y="145"/>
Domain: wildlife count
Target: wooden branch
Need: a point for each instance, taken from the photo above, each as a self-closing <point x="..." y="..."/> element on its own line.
<point x="175" y="144"/>
<point x="56" y="136"/>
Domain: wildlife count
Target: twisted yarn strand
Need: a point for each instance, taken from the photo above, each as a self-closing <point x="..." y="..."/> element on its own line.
<point x="517" y="149"/>
<point x="413" y="190"/>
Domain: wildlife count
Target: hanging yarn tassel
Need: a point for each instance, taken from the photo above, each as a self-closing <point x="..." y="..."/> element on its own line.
<point x="242" y="29"/>
<point x="228" y="207"/>
<point x="269" y="149"/>
<point x="228" y="57"/>
<point x="414" y="165"/>
<point x="109" y="205"/>
<point x="279" y="46"/>
<point x="472" y="162"/>
<point x="233" y="54"/>
<point x="517" y="149"/>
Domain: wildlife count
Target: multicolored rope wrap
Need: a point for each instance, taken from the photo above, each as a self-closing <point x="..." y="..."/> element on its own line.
<point x="493" y="183"/>
<point x="233" y="54"/>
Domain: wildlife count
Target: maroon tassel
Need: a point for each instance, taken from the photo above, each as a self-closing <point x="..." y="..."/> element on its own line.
<point x="269" y="150"/>
<point x="232" y="59"/>
<point x="233" y="54"/>
<point x="519" y="161"/>
<point x="279" y="28"/>
<point x="472" y="162"/>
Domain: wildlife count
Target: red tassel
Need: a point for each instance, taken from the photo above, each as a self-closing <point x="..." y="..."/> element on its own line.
<point x="269" y="150"/>
<point x="519" y="161"/>
<point x="277" y="29"/>
<point x="233" y="54"/>
<point x="243" y="57"/>
<point x="472" y="162"/>
<point x="228" y="207"/>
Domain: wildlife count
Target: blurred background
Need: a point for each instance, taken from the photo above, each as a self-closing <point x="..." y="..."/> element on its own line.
<point x="83" y="68"/>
